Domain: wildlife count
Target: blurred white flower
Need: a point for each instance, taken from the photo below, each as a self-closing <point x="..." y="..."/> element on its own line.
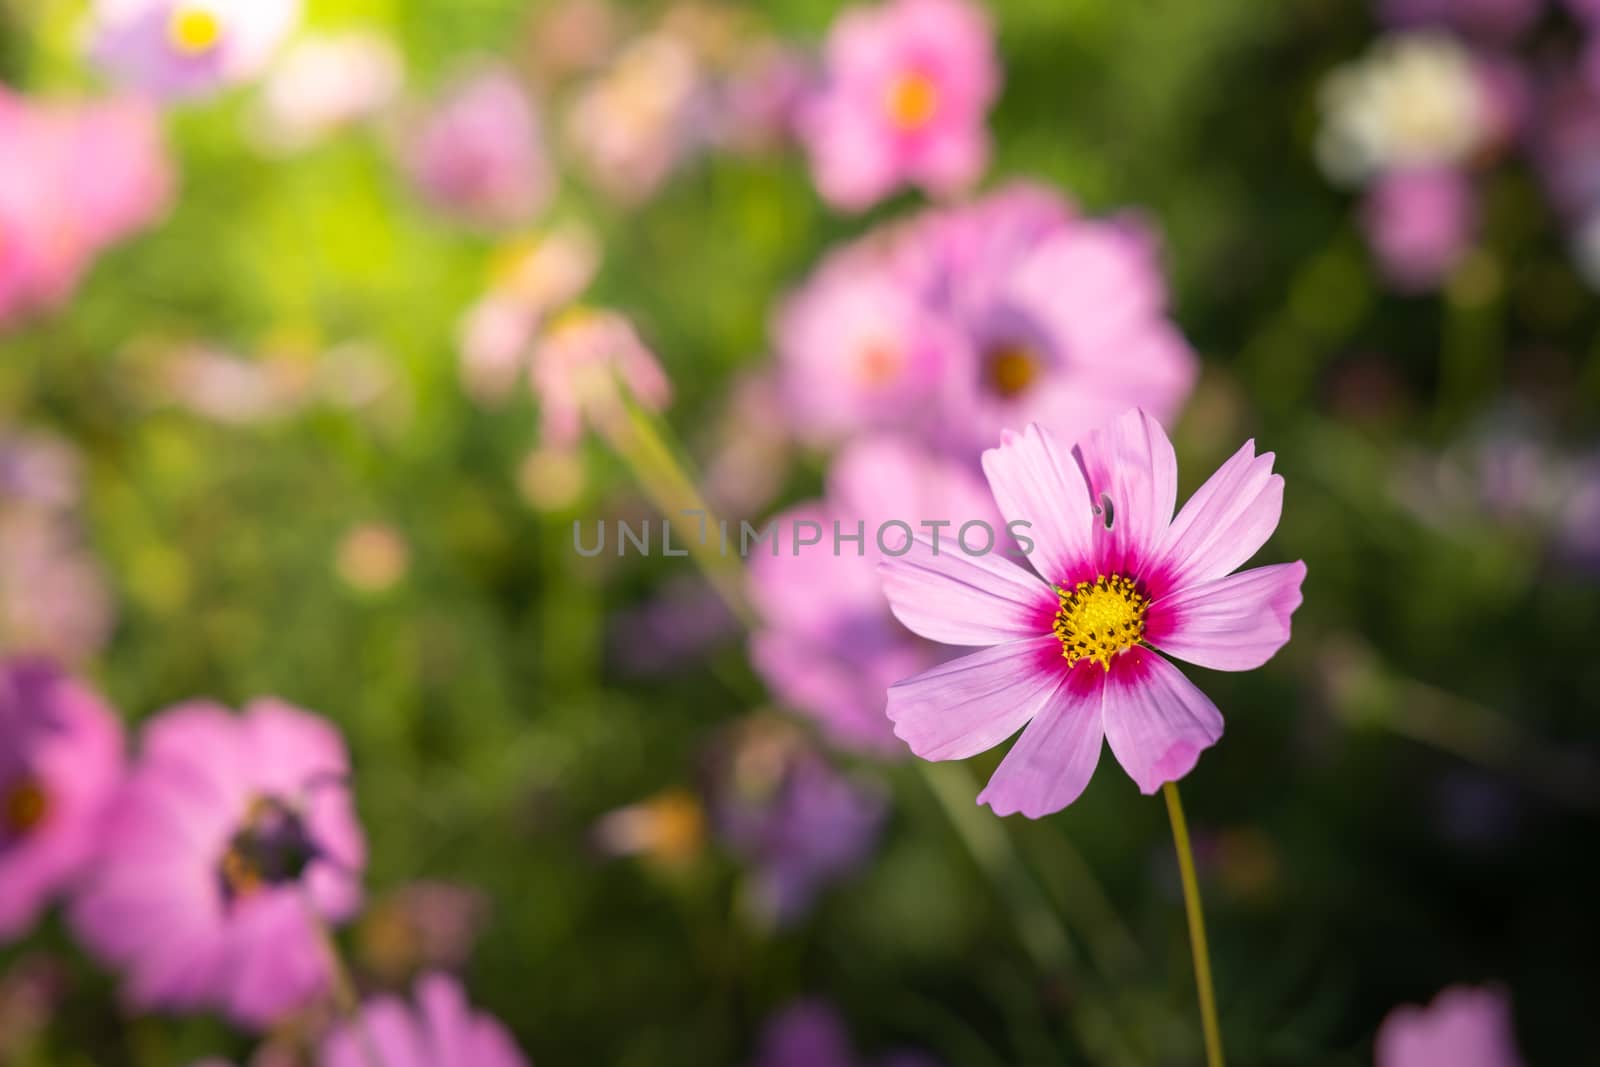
<point x="1415" y="100"/>
<point x="324" y="83"/>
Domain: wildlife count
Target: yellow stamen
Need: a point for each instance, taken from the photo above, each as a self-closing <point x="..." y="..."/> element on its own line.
<point x="1010" y="369"/>
<point x="25" y="805"/>
<point x="193" y="29"/>
<point x="912" y="100"/>
<point x="1099" y="619"/>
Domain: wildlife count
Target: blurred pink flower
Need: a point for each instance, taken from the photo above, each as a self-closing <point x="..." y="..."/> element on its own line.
<point x="421" y="926"/>
<point x="187" y="48"/>
<point x="441" y="1030"/>
<point x="859" y="349"/>
<point x="79" y="178"/>
<point x="827" y="646"/>
<point x="761" y="99"/>
<point x="585" y="368"/>
<point x="228" y="834"/>
<point x="798" y="823"/>
<point x="1073" y="657"/>
<point x="989" y="316"/>
<point x="1463" y="1027"/>
<point x="1419" y="224"/>
<point x="60" y="759"/>
<point x="632" y="124"/>
<point x="480" y="153"/>
<point x="907" y="88"/>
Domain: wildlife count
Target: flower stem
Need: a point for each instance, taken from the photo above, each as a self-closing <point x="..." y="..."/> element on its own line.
<point x="1197" y="926"/>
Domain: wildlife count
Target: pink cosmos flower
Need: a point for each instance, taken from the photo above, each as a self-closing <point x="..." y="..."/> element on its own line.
<point x="441" y="1030"/>
<point x="82" y="177"/>
<point x="968" y="321"/>
<point x="908" y="86"/>
<point x="1419" y="224"/>
<point x="231" y="839"/>
<point x="859" y="349"/>
<point x="827" y="646"/>
<point x="580" y="368"/>
<point x="60" y="759"/>
<point x="1463" y="1027"/>
<point x="480" y="154"/>
<point x="1072" y="652"/>
<point x="188" y="48"/>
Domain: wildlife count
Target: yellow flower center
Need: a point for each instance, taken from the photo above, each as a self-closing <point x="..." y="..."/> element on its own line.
<point x="194" y="30"/>
<point x="1099" y="619"/>
<point x="912" y="100"/>
<point x="23" y="806"/>
<point x="1010" y="369"/>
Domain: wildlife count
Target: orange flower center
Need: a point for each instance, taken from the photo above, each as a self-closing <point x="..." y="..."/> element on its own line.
<point x="912" y="101"/>
<point x="1010" y="369"/>
<point x="23" y="806"/>
<point x="1099" y="619"/>
<point x="878" y="364"/>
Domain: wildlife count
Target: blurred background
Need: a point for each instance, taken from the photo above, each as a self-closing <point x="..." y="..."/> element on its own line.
<point x="266" y="428"/>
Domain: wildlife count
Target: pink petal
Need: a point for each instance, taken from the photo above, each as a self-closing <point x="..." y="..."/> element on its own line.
<point x="1227" y="520"/>
<point x="1130" y="462"/>
<point x="958" y="599"/>
<point x="971" y="704"/>
<point x="1051" y="764"/>
<point x="1036" y="482"/>
<point x="1156" y="721"/>
<point x="1229" y="624"/>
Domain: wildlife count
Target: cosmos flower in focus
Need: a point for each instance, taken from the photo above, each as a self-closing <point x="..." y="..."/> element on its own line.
<point x="60" y="759"/>
<point x="79" y="177"/>
<point x="188" y="48"/>
<point x="1463" y="1027"/>
<point x="1072" y="656"/>
<point x="480" y="153"/>
<point x="232" y="838"/>
<point x="439" y="1030"/>
<point x="810" y="1033"/>
<point x="907" y="89"/>
<point x="827" y="646"/>
<point x="968" y="321"/>
<point x="586" y="368"/>
<point x="326" y="82"/>
<point x="799" y="824"/>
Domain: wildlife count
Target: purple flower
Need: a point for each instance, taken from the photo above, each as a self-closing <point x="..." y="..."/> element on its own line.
<point x="582" y="369"/>
<point x="1419" y="223"/>
<point x="799" y="824"/>
<point x="907" y="88"/>
<point x="441" y="1030"/>
<point x="60" y="759"/>
<point x="230" y="841"/>
<point x="828" y="646"/>
<point x="809" y="1033"/>
<point x="1463" y="1027"/>
<point x="1499" y="19"/>
<point x="1070" y="653"/>
<point x="187" y="48"/>
<point x="480" y="153"/>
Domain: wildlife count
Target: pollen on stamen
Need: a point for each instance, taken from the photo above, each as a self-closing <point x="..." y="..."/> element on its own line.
<point x="1099" y="619"/>
<point x="912" y="100"/>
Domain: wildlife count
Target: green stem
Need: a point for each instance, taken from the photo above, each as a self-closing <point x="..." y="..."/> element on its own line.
<point x="1197" y="926"/>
